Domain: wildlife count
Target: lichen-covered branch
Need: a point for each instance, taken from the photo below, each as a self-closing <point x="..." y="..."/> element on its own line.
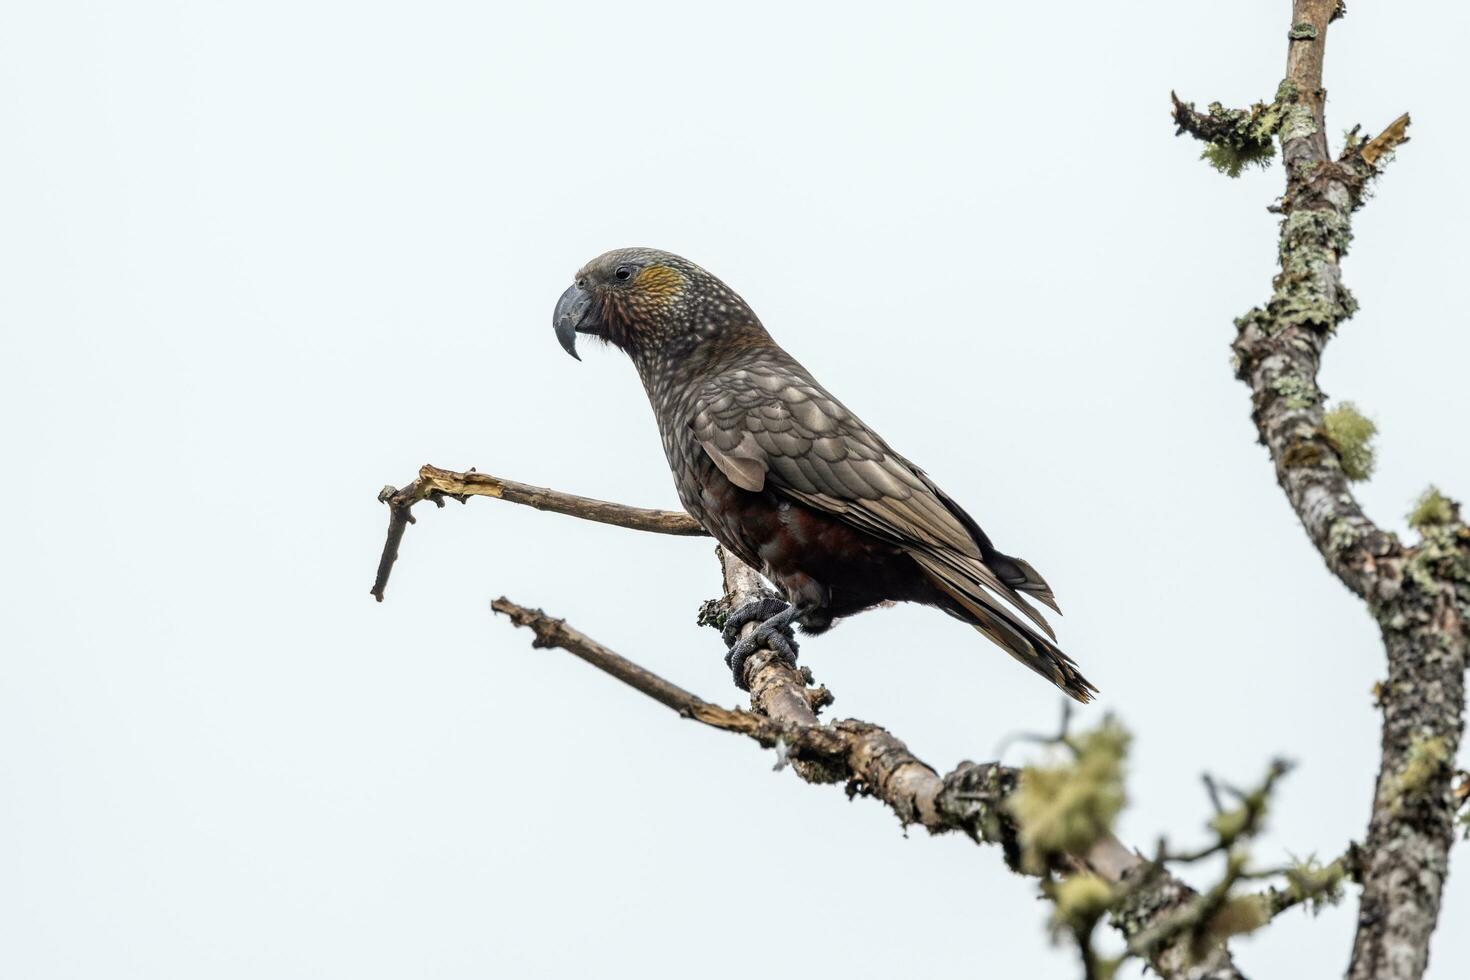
<point x="1234" y="138"/>
<point x="1420" y="595"/>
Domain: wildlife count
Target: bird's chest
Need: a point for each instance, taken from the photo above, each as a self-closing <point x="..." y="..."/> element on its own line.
<point x="723" y="508"/>
<point x="690" y="465"/>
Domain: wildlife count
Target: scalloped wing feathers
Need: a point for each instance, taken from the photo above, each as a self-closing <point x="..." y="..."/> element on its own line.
<point x="769" y="425"/>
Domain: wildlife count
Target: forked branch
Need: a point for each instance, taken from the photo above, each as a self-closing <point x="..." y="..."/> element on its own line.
<point x="1154" y="913"/>
<point x="1420" y="595"/>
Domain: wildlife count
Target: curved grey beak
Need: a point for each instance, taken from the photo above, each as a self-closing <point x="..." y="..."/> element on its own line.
<point x="574" y="314"/>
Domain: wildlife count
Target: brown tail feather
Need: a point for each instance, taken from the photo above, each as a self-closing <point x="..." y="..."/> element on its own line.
<point x="977" y="606"/>
<point x="983" y="581"/>
<point x="1019" y="575"/>
<point x="1016" y="573"/>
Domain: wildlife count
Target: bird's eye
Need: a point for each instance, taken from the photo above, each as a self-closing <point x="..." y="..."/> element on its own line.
<point x="624" y="273"/>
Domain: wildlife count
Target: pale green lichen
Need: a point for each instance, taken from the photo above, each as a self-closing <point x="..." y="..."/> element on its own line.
<point x="1239" y="138"/>
<point x="1427" y="757"/>
<point x="1433" y="509"/>
<point x="1065" y="808"/>
<point x="1239" y="915"/>
<point x="1296" y="391"/>
<point x="1421" y="566"/>
<point x="1441" y="559"/>
<point x="1315" y="227"/>
<point x="1297" y="122"/>
<point x="1232" y="160"/>
<point x="1236" y="139"/>
<point x="1079" y="900"/>
<point x="1342" y="535"/>
<point x="1316" y="885"/>
<point x="1307" y="293"/>
<point x="1351" y="434"/>
<point x="1245" y="820"/>
<point x="1230" y="824"/>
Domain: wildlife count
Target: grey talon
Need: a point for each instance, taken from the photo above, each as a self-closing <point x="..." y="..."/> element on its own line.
<point x="773" y="632"/>
<point x="756" y="610"/>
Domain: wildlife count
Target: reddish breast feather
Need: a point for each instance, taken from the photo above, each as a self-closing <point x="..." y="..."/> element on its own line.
<point x="808" y="553"/>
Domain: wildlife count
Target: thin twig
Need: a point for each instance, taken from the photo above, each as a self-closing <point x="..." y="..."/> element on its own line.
<point x="551" y="632"/>
<point x="436" y="484"/>
<point x="472" y="484"/>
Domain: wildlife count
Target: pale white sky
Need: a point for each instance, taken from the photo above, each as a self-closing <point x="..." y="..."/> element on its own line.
<point x="261" y="258"/>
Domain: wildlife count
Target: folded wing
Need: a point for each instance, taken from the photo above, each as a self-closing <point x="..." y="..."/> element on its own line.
<point x="773" y="427"/>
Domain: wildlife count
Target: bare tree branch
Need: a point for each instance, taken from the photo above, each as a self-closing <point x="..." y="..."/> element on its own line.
<point x="435" y="485"/>
<point x="1419" y="595"/>
<point x="1155" y="917"/>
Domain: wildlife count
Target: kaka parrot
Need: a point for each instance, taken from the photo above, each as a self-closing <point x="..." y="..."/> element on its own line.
<point x="787" y="478"/>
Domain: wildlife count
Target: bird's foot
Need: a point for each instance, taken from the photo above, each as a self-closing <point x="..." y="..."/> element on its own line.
<point x="757" y="610"/>
<point x="774" y="633"/>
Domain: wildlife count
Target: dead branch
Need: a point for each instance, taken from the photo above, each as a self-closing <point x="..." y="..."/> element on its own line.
<point x="435" y="485"/>
<point x="872" y="762"/>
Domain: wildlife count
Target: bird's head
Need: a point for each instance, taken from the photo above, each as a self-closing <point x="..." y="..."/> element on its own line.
<point x="648" y="302"/>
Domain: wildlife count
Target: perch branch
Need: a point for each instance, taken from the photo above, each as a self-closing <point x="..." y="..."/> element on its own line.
<point x="435" y="485"/>
<point x="783" y="715"/>
<point x="873" y="762"/>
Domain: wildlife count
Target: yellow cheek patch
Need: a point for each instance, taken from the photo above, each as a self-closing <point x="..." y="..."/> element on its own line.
<point x="659" y="283"/>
